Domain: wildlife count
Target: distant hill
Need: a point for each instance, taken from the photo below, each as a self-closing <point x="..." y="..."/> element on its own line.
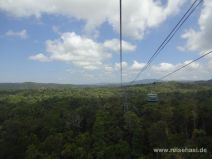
<point x="146" y="81"/>
<point x="210" y="81"/>
<point x="204" y="82"/>
<point x="32" y="85"/>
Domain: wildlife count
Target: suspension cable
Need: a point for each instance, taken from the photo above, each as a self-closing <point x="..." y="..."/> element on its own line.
<point x="121" y="63"/>
<point x="170" y="36"/>
<point x="171" y="73"/>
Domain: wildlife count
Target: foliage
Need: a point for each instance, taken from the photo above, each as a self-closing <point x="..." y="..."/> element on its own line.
<point x="89" y="123"/>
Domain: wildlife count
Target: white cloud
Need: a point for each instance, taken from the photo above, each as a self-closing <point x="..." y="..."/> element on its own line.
<point x="201" y="40"/>
<point x="108" y="69"/>
<point x="20" y="34"/>
<point x="138" y="15"/>
<point x="168" y="67"/>
<point x="129" y="70"/>
<point x="115" y="46"/>
<point x="80" y="51"/>
<point x="194" y="65"/>
<point x="181" y="48"/>
<point x="124" y="65"/>
<point x="136" y="66"/>
<point x="195" y="71"/>
<point x="209" y="57"/>
<point x="156" y="71"/>
<point x="163" y="67"/>
<point x="75" y="49"/>
<point x="210" y="61"/>
<point x="111" y="73"/>
<point x="56" y="29"/>
<point x="39" y="57"/>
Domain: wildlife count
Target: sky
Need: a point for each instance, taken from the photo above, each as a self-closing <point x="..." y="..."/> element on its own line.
<point x="76" y="41"/>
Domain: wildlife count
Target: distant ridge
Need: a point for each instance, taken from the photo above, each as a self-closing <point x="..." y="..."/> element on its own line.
<point x="209" y="82"/>
<point x="34" y="85"/>
<point x="146" y="81"/>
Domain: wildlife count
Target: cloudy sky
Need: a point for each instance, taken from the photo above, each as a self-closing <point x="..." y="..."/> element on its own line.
<point x="76" y="41"/>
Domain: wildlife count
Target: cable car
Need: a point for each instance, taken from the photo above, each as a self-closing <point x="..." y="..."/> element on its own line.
<point x="152" y="97"/>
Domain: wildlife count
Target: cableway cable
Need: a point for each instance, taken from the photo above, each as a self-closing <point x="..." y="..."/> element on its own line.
<point x="171" y="73"/>
<point x="120" y="38"/>
<point x="169" y="37"/>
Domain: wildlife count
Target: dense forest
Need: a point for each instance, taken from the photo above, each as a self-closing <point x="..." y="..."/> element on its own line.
<point x="90" y="123"/>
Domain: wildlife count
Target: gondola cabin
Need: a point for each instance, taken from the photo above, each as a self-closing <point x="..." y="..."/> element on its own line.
<point x="152" y="97"/>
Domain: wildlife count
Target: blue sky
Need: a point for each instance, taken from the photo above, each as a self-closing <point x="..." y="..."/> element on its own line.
<point x="77" y="41"/>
